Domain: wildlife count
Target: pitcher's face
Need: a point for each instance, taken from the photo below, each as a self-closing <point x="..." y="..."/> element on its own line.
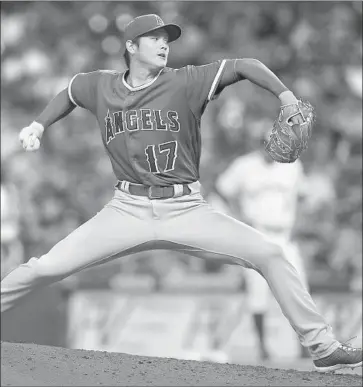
<point x="153" y="49"/>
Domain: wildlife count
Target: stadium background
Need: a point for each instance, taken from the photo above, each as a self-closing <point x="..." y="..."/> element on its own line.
<point x="196" y="307"/>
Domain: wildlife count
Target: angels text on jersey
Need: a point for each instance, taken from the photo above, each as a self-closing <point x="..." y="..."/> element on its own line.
<point x="139" y="119"/>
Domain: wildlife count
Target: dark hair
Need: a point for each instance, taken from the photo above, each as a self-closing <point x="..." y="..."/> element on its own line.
<point x="127" y="58"/>
<point x="127" y="54"/>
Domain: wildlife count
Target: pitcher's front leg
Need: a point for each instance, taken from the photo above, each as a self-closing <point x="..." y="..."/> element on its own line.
<point x="107" y="235"/>
<point x="204" y="230"/>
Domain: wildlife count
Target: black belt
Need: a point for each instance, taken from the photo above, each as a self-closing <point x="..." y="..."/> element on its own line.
<point x="152" y="192"/>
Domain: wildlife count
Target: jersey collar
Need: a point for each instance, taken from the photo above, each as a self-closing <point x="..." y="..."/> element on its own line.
<point x="144" y="86"/>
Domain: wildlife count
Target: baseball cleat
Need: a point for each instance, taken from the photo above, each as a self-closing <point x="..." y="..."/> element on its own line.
<point x="344" y="356"/>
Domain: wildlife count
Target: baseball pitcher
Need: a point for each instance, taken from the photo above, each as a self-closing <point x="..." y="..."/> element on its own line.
<point x="149" y="118"/>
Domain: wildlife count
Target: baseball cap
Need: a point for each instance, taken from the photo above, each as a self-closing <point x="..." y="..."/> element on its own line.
<point x="147" y="23"/>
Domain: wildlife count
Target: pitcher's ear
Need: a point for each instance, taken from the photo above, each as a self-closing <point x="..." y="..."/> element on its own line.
<point x="130" y="46"/>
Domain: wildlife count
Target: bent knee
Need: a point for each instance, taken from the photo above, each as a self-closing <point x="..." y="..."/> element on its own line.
<point x="270" y="254"/>
<point x="42" y="269"/>
<point x="272" y="250"/>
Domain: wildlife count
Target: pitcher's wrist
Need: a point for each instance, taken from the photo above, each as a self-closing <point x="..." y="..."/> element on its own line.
<point x="39" y="127"/>
<point x="287" y="98"/>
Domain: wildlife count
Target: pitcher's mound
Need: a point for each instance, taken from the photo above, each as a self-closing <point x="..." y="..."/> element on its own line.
<point x="37" y="365"/>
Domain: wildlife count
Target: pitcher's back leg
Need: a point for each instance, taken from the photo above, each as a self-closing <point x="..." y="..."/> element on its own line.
<point x="108" y="235"/>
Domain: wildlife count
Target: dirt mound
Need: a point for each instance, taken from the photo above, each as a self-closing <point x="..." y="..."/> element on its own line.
<point x="37" y="365"/>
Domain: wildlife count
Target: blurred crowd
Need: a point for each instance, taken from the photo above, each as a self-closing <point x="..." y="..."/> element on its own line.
<point x="315" y="48"/>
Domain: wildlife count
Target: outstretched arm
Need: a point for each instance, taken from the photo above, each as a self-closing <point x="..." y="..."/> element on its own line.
<point x="259" y="74"/>
<point x="292" y="129"/>
<point x="59" y="107"/>
<point x="81" y="91"/>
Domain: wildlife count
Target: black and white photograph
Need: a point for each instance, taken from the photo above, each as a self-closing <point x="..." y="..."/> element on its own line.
<point x="181" y="193"/>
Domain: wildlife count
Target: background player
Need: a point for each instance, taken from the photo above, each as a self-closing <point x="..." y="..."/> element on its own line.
<point x="149" y="118"/>
<point x="264" y="194"/>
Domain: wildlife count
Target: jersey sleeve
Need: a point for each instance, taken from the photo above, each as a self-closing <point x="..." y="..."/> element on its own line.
<point x="229" y="182"/>
<point x="204" y="83"/>
<point x="82" y="90"/>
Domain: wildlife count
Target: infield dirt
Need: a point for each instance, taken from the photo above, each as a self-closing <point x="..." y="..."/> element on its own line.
<point x="37" y="365"/>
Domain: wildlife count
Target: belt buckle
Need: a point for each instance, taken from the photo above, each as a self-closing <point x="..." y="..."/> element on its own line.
<point x="155" y="192"/>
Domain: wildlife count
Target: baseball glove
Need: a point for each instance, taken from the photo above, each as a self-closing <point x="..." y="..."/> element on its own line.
<point x="287" y="141"/>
